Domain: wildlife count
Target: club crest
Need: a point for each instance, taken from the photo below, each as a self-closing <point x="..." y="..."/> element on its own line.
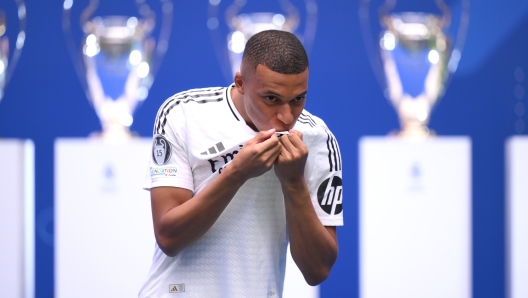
<point x="161" y="150"/>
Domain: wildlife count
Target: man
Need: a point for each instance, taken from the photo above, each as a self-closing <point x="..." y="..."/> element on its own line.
<point x="227" y="192"/>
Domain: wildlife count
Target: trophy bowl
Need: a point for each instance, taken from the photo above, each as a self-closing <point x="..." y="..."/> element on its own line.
<point x="11" y="39"/>
<point x="414" y="53"/>
<point x="243" y="20"/>
<point x="117" y="61"/>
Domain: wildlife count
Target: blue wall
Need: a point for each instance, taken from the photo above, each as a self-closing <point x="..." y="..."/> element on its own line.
<point x="45" y="100"/>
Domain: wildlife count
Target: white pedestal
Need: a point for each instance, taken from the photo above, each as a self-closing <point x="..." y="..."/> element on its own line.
<point x="17" y="213"/>
<point x="415" y="217"/>
<point x="517" y="216"/>
<point x="104" y="240"/>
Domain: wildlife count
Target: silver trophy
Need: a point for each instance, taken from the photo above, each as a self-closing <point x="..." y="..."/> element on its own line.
<point x="117" y="61"/>
<point x="11" y="39"/>
<point x="416" y="55"/>
<point x="230" y="38"/>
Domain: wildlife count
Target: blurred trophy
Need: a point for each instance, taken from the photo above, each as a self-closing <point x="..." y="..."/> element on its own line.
<point x="10" y="40"/>
<point x="117" y="61"/>
<point x="230" y="38"/>
<point x="416" y="52"/>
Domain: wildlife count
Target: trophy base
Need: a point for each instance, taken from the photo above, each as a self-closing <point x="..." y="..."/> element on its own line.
<point x="114" y="137"/>
<point x="415" y="131"/>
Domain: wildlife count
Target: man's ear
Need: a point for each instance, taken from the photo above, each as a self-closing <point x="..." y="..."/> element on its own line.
<point x="239" y="82"/>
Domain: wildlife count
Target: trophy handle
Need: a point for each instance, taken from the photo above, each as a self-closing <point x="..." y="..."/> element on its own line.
<point x="21" y="37"/>
<point x="368" y="41"/>
<point x="310" y="26"/>
<point x="458" y="45"/>
<point x="162" y="43"/>
<point x="75" y="52"/>
<point x="446" y="18"/>
<point x="292" y="11"/>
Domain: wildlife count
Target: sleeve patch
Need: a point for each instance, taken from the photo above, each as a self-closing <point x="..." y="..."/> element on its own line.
<point x="330" y="195"/>
<point x="169" y="171"/>
<point x="161" y="150"/>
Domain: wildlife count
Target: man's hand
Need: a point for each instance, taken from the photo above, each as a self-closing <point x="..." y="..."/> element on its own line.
<point x="289" y="166"/>
<point x="257" y="156"/>
<point x="313" y="246"/>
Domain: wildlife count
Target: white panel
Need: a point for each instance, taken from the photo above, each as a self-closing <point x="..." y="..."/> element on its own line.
<point x="17" y="218"/>
<point x="415" y="217"/>
<point x="104" y="240"/>
<point x="517" y="216"/>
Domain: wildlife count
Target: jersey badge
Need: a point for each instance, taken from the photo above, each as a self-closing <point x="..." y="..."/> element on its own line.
<point x="165" y="171"/>
<point x="219" y="147"/>
<point x="161" y="150"/>
<point x="178" y="288"/>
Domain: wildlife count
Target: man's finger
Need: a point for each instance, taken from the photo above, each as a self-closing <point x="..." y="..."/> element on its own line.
<point x="276" y="152"/>
<point x="269" y="143"/>
<point x="271" y="154"/>
<point x="286" y="142"/>
<point x="296" y="140"/>
<point x="261" y="136"/>
<point x="296" y="132"/>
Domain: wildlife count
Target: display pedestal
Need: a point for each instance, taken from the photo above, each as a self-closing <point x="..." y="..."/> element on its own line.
<point x="104" y="240"/>
<point x="17" y="213"/>
<point x="415" y="217"/>
<point x="517" y="216"/>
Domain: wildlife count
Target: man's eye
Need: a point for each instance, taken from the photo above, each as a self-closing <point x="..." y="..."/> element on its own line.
<point x="270" y="98"/>
<point x="300" y="98"/>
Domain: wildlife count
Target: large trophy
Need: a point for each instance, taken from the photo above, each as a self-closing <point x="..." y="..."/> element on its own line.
<point x="117" y="61"/>
<point x="11" y="39"/>
<point x="243" y="21"/>
<point x="414" y="53"/>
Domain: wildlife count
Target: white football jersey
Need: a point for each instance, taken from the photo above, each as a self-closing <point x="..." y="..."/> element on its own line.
<point x="196" y="134"/>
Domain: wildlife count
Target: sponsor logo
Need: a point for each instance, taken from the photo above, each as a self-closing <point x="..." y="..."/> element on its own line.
<point x="219" y="147"/>
<point x="178" y="288"/>
<point x="330" y="195"/>
<point x="163" y="171"/>
<point x="219" y="163"/>
<point x="161" y="150"/>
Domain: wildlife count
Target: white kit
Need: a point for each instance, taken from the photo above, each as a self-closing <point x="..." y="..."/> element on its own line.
<point x="196" y="135"/>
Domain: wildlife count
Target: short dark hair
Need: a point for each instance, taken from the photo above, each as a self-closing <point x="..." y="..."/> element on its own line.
<point x="280" y="51"/>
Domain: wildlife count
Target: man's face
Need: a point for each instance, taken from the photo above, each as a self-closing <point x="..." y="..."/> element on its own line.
<point x="271" y="99"/>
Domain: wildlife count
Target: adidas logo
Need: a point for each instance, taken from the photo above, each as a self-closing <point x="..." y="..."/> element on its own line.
<point x="219" y="147"/>
<point x="177" y="288"/>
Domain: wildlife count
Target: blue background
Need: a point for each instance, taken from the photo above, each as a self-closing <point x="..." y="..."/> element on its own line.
<point x="44" y="100"/>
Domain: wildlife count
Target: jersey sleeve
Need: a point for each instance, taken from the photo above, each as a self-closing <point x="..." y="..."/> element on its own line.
<point x="324" y="172"/>
<point x="168" y="161"/>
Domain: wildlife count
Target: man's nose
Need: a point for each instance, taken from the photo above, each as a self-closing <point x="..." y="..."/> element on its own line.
<point x="284" y="114"/>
